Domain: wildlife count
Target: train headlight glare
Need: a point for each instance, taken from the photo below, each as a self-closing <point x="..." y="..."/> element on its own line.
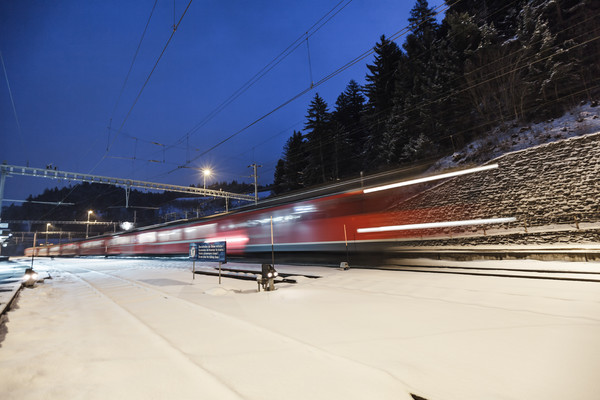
<point x="270" y="275"/>
<point x="275" y="273"/>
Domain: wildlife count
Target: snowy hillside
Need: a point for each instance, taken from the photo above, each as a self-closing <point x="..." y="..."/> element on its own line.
<point x="579" y="121"/>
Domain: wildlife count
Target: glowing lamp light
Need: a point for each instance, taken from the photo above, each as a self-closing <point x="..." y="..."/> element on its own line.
<point x="431" y="225"/>
<point x="431" y="178"/>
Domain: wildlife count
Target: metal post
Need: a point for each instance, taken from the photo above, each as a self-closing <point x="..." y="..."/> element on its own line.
<point x="127" y="193"/>
<point x="272" y="245"/>
<point x="2" y="182"/>
<point x="87" y="226"/>
<point x="193" y="269"/>
<point x="219" y="272"/>
<point x="346" y="239"/>
<point x="255" y="176"/>
<point x="33" y="251"/>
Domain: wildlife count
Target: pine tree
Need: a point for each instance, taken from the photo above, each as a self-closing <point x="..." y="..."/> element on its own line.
<point x="279" y="179"/>
<point x="380" y="89"/>
<point x="501" y="14"/>
<point x="320" y="142"/>
<point x="295" y="161"/>
<point x="459" y="38"/>
<point x="414" y="113"/>
<point x="349" y="128"/>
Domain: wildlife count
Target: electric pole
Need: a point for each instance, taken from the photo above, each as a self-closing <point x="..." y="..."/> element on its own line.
<point x="255" y="176"/>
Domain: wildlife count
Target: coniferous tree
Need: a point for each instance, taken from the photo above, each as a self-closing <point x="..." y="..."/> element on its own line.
<point x="348" y="118"/>
<point x="279" y="179"/>
<point x="459" y="37"/>
<point x="320" y="143"/>
<point x="419" y="50"/>
<point x="380" y="87"/>
<point x="499" y="13"/>
<point x="414" y="118"/>
<point x="295" y="161"/>
<point x="290" y="168"/>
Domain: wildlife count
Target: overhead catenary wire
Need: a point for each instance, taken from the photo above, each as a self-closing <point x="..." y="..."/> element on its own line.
<point x="137" y="50"/>
<point x="308" y="89"/>
<point x="12" y="100"/>
<point x="145" y="82"/>
<point x="266" y="69"/>
<point x="293" y="46"/>
<point x="111" y="143"/>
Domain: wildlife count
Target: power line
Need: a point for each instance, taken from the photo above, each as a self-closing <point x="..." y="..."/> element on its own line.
<point x="130" y="68"/>
<point x="303" y="92"/>
<point x="266" y="69"/>
<point x="12" y="101"/>
<point x="147" y="79"/>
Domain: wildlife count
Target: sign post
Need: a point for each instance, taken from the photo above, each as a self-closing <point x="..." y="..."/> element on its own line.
<point x="213" y="251"/>
<point x="193" y="254"/>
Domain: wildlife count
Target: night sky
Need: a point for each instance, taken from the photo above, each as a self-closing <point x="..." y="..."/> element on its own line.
<point x="66" y="62"/>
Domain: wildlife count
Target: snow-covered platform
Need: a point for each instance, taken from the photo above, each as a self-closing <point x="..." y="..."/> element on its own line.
<point x="140" y="328"/>
<point x="10" y="282"/>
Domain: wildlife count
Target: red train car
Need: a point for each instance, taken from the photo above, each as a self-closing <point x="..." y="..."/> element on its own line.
<point x="330" y="225"/>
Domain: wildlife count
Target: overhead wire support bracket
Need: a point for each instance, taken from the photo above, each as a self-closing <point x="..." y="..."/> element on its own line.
<point x="312" y="82"/>
<point x="9" y="170"/>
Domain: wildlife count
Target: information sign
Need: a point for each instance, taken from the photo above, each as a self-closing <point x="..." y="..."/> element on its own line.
<point x="193" y="251"/>
<point x="214" y="251"/>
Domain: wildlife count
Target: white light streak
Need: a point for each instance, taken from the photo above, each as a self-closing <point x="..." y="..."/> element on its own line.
<point x="430" y="225"/>
<point x="431" y="178"/>
<point x="229" y="240"/>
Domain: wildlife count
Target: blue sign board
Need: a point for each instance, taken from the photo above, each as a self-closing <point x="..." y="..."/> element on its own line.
<point x="193" y="251"/>
<point x="214" y="251"/>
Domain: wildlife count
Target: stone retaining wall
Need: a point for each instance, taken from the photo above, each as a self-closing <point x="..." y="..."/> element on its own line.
<point x="550" y="184"/>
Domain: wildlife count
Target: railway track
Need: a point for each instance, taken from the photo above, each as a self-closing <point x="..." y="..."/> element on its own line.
<point x="576" y="275"/>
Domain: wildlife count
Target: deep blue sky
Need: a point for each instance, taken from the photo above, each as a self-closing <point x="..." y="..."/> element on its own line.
<point x="66" y="62"/>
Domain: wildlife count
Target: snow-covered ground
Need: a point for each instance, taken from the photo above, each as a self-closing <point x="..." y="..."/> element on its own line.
<point x="144" y="329"/>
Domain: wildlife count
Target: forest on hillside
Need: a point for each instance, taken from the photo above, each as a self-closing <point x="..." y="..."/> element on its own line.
<point x="487" y="64"/>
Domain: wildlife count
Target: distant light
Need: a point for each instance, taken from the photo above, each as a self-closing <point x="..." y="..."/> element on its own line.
<point x="431" y="178"/>
<point x="126" y="225"/>
<point x="206" y="172"/>
<point x="430" y="225"/>
<point x="90" y="212"/>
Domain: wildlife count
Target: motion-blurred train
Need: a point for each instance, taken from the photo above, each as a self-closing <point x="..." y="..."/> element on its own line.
<point x="330" y="229"/>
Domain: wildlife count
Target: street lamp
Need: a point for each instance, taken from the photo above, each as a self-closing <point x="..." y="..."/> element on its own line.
<point x="87" y="227"/>
<point x="48" y="225"/>
<point x="206" y="172"/>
